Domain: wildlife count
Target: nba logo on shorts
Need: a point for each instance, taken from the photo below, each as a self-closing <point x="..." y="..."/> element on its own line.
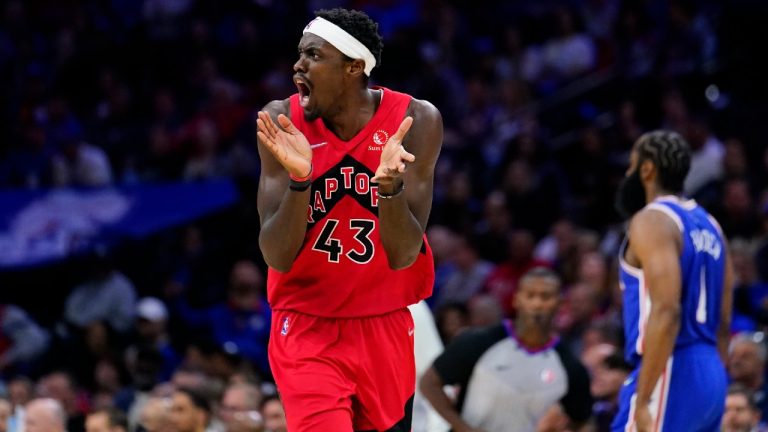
<point x="380" y="137"/>
<point x="286" y="323"/>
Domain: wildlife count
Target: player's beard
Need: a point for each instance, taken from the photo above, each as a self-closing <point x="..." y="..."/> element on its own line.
<point x="311" y="114"/>
<point x="630" y="197"/>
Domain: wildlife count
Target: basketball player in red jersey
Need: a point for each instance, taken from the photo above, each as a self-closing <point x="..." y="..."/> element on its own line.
<point x="344" y="197"/>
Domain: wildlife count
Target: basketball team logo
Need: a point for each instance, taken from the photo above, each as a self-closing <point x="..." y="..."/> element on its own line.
<point x="286" y="324"/>
<point x="380" y="137"/>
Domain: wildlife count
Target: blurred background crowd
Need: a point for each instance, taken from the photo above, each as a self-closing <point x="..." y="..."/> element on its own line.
<point x="541" y="102"/>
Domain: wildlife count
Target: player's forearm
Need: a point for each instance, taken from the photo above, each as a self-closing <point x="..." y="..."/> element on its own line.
<point x="401" y="233"/>
<point x="282" y="233"/>
<point x="660" y="336"/>
<point x="431" y="386"/>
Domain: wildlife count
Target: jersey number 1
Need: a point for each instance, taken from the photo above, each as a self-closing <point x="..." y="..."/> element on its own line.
<point x="701" y="309"/>
<point x="332" y="246"/>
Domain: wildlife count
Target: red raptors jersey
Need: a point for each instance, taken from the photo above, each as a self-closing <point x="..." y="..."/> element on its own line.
<point x="342" y="270"/>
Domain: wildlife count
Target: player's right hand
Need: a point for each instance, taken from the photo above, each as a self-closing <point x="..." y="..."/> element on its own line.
<point x="289" y="146"/>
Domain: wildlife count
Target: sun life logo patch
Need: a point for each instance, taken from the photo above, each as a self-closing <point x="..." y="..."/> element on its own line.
<point x="380" y="137"/>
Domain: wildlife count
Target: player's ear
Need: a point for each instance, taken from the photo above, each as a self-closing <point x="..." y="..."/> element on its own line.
<point x="647" y="170"/>
<point x="356" y="67"/>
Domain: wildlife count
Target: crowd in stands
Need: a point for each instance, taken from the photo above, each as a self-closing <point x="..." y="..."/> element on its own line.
<point x="541" y="103"/>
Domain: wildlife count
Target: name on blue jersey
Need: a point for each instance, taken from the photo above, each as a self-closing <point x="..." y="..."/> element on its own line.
<point x="706" y="241"/>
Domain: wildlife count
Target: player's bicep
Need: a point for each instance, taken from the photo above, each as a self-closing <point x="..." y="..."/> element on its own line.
<point x="424" y="141"/>
<point x="655" y="240"/>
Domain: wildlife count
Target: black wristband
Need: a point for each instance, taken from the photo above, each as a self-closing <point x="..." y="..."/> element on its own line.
<point x="397" y="192"/>
<point x="300" y="186"/>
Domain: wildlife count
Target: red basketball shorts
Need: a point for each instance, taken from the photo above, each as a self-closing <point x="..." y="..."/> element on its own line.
<point x="343" y="375"/>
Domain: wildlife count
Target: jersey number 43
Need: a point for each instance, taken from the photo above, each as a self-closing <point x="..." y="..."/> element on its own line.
<point x="361" y="252"/>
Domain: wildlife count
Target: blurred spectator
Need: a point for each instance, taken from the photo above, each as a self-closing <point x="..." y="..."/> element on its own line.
<point x="19" y="394"/>
<point x="746" y="366"/>
<point x="607" y="380"/>
<point x="241" y="324"/>
<point x="741" y="412"/>
<point x="484" y="311"/>
<point x="593" y="272"/>
<point x="108" y="296"/>
<point x="151" y="331"/>
<point x="498" y="398"/>
<point x="452" y="319"/>
<point x="579" y="309"/>
<point x="5" y="414"/>
<point x="602" y="331"/>
<point x="559" y="246"/>
<point x="735" y="163"/>
<point x="239" y="408"/>
<point x="59" y="387"/>
<point x="457" y="210"/>
<point x="144" y="368"/>
<point x="567" y="55"/>
<point x="21" y="339"/>
<point x="204" y="161"/>
<point x="750" y="295"/>
<point x="468" y="275"/>
<point x="80" y="164"/>
<point x="106" y="420"/>
<point x="190" y="411"/>
<point x="443" y="242"/>
<point x="706" y="158"/>
<point x="689" y="44"/>
<point x="30" y="164"/>
<point x="155" y="415"/>
<point x="533" y="198"/>
<point x="594" y="356"/>
<point x="491" y="231"/>
<point x="502" y="281"/>
<point x="737" y="214"/>
<point x="46" y="415"/>
<point x="274" y="415"/>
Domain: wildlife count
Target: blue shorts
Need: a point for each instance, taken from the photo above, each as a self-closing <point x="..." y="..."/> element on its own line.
<point x="689" y="396"/>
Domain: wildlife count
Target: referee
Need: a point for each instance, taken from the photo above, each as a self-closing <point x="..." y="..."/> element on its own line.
<point x="510" y="374"/>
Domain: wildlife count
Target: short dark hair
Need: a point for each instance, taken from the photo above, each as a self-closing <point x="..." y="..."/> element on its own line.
<point x="198" y="399"/>
<point x="616" y="361"/>
<point x="670" y="153"/>
<point x="115" y="417"/>
<point x="541" y="272"/>
<point x="357" y="24"/>
<point x="268" y="399"/>
<point x="749" y="395"/>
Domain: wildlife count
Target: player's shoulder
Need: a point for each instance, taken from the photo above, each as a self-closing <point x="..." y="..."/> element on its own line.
<point x="424" y="111"/>
<point x="278" y="106"/>
<point x="653" y="220"/>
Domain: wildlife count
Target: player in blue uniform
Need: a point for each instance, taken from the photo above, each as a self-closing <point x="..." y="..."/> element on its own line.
<point x="677" y="281"/>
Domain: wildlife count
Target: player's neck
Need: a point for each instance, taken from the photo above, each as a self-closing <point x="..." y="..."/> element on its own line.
<point x="532" y="336"/>
<point x="353" y="111"/>
<point x="653" y="194"/>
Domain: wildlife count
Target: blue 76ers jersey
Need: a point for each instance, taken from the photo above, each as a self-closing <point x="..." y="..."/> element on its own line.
<point x="702" y="266"/>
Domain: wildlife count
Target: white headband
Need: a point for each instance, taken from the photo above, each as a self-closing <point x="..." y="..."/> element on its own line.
<point x="343" y="41"/>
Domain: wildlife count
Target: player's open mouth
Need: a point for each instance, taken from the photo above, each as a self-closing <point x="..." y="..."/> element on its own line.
<point x="304" y="91"/>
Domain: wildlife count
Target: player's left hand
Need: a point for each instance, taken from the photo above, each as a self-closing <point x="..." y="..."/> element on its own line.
<point x="643" y="419"/>
<point x="394" y="158"/>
